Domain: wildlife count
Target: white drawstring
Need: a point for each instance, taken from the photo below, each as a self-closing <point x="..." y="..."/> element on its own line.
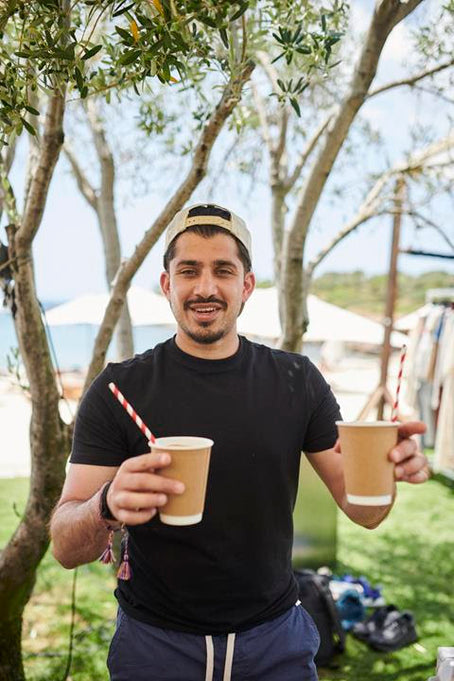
<point x="228" y="658"/>
<point x="210" y="658"/>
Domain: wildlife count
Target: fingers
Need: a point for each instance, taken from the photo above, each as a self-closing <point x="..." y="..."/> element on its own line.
<point x="413" y="467"/>
<point x="137" y="491"/>
<point x="411" y="428"/>
<point x="146" y="462"/>
<point x="404" y="450"/>
<point x="135" y="509"/>
<point x="148" y="482"/>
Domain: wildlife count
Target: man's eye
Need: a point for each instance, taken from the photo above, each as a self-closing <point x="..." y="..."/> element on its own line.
<point x="187" y="273"/>
<point x="224" y="272"/>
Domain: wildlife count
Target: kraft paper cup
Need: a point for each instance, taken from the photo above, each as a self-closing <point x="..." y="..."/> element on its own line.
<point x="190" y="463"/>
<point x="368" y="472"/>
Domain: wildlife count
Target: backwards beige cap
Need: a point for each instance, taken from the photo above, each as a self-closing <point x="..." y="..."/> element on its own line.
<point x="208" y="214"/>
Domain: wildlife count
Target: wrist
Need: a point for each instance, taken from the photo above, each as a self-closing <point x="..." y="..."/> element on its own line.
<point x="105" y="513"/>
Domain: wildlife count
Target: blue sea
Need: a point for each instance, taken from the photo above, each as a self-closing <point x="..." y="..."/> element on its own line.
<point x="74" y="344"/>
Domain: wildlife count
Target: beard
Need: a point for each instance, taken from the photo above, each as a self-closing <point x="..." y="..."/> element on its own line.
<point x="204" y="337"/>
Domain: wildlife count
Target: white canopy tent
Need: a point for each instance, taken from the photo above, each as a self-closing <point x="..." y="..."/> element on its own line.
<point x="327" y="322"/>
<point x="146" y="309"/>
<point x="260" y="317"/>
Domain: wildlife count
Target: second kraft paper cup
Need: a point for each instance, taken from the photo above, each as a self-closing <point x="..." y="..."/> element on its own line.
<point x="190" y="464"/>
<point x="368" y="472"/>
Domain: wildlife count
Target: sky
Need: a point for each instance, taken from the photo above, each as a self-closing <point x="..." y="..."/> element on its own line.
<point x="68" y="251"/>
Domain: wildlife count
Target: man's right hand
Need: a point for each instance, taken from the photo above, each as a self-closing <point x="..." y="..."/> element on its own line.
<point x="137" y="491"/>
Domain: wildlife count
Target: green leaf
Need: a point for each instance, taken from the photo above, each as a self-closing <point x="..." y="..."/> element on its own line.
<point x="296" y="106"/>
<point x="281" y="84"/>
<point x="129" y="57"/>
<point x="28" y="127"/>
<point x="91" y="53"/>
<point x="84" y="92"/>
<point x="126" y="35"/>
<point x="79" y="78"/>
<point x="31" y="110"/>
<point x="323" y="20"/>
<point x="123" y="10"/>
<point x="209" y="22"/>
<point x="224" y="37"/>
<point x="243" y="7"/>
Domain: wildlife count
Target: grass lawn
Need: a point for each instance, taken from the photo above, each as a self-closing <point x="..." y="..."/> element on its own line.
<point x="410" y="555"/>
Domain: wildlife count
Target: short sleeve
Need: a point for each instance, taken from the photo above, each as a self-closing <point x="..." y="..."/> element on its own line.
<point x="98" y="437"/>
<point x="321" y="430"/>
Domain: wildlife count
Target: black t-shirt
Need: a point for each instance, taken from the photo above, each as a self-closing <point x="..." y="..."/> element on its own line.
<point x="262" y="407"/>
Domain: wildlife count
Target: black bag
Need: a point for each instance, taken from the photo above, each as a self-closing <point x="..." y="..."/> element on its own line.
<point x="316" y="598"/>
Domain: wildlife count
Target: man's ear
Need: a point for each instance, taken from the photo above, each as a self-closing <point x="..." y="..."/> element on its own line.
<point x="248" y="285"/>
<point x="164" y="280"/>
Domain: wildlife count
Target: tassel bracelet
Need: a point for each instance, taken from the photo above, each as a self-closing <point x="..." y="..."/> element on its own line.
<point x="107" y="557"/>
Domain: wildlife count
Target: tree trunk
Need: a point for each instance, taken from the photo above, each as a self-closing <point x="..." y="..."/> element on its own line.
<point x="49" y="436"/>
<point x="107" y="219"/>
<point x="278" y="211"/>
<point x="293" y="289"/>
<point x="11" y="667"/>
<point x="387" y="14"/>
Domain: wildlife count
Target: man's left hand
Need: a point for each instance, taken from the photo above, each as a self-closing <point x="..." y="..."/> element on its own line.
<point x="411" y="464"/>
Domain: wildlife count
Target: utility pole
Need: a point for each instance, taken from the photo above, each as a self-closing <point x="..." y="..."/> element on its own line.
<point x="399" y="196"/>
<point x="381" y="394"/>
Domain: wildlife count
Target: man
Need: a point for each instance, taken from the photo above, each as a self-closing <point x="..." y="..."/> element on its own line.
<point x="216" y="599"/>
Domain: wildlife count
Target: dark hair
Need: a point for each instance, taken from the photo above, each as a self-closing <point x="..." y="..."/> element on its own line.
<point x="207" y="231"/>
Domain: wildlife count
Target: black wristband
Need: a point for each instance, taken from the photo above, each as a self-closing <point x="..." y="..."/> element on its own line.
<point x="104" y="509"/>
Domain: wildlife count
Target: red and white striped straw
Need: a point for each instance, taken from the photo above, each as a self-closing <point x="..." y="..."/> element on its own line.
<point x="403" y="352"/>
<point x="132" y="413"/>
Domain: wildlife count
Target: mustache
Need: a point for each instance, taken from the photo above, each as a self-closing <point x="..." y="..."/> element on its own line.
<point x="210" y="299"/>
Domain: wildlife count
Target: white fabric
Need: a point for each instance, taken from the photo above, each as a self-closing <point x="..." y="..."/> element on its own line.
<point x="210" y="659"/>
<point x="260" y="318"/>
<point x="445" y="358"/>
<point x="145" y="307"/>
<point x="229" y="657"/>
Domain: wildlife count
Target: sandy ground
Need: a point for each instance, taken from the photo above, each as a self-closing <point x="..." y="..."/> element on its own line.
<point x="352" y="382"/>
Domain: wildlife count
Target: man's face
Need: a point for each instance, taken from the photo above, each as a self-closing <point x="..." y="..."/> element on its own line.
<point x="206" y="286"/>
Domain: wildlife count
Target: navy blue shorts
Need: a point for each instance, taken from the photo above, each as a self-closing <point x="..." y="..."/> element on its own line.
<point x="282" y="649"/>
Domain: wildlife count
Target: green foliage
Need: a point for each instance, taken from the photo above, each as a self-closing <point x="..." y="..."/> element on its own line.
<point x="367" y="295"/>
<point x="95" y="46"/>
<point x="410" y="554"/>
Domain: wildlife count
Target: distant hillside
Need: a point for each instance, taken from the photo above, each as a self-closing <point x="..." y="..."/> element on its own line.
<point x="367" y="295"/>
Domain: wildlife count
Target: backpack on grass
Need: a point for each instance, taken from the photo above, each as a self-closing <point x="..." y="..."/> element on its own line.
<point x="316" y="598"/>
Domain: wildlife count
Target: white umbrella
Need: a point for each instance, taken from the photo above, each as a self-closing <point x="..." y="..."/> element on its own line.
<point x="146" y="309"/>
<point x="260" y="318"/>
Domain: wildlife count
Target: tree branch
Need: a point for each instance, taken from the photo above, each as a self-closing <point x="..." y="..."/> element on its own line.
<point x="50" y="145"/>
<point x="432" y="224"/>
<point x="261" y="110"/>
<point x="370" y="206"/>
<point x="269" y="69"/>
<point x="85" y="188"/>
<point x="411" y="80"/>
<point x="283" y="123"/>
<point x="307" y="151"/>
<point x="229" y="99"/>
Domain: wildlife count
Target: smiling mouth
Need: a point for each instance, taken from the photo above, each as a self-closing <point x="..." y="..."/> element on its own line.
<point x="205" y="312"/>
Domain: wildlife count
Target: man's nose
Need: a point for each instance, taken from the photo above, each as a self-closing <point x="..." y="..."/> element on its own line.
<point x="206" y="284"/>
